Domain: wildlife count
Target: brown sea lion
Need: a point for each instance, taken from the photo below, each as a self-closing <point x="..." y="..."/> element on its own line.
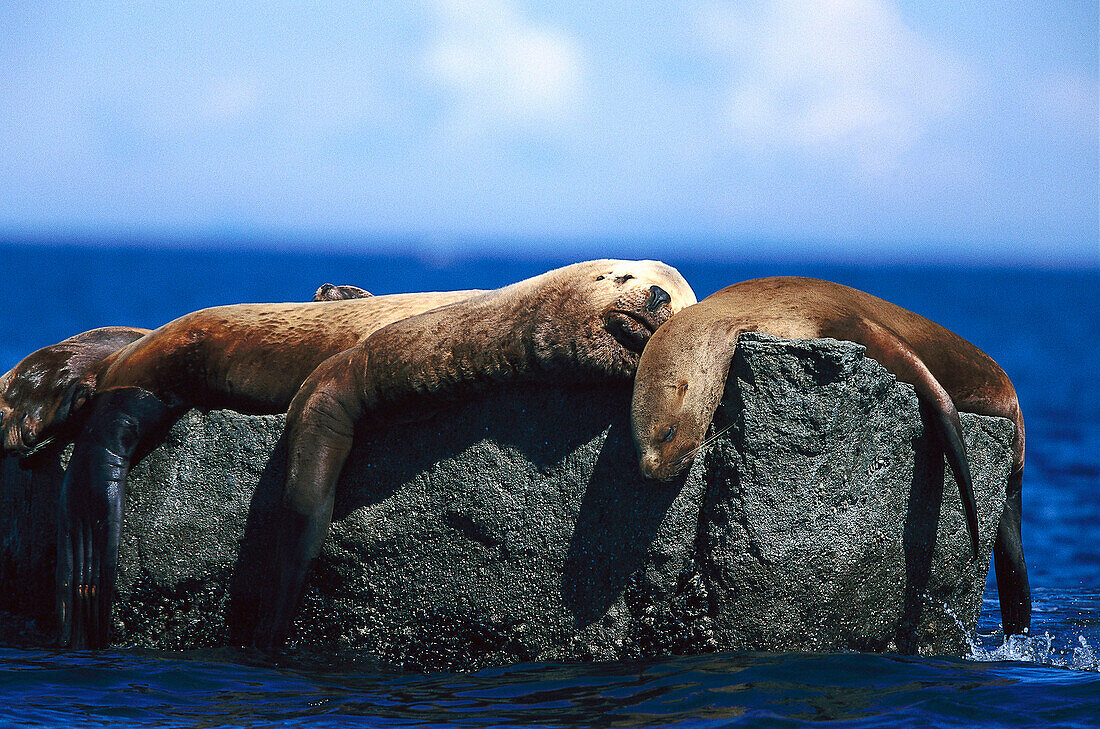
<point x="682" y="375"/>
<point x="248" y="357"/>
<point x="41" y="396"/>
<point x="254" y="357"/>
<point x="46" y="389"/>
<point x="585" y="322"/>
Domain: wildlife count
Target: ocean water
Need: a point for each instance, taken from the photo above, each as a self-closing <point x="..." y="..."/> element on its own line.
<point x="1041" y="326"/>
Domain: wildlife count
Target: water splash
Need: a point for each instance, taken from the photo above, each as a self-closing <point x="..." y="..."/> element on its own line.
<point x="1040" y="649"/>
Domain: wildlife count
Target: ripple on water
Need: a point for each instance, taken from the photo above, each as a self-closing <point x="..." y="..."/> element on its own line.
<point x="1018" y="684"/>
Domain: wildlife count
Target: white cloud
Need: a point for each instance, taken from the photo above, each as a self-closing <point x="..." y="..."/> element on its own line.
<point x="825" y="74"/>
<point x="501" y="68"/>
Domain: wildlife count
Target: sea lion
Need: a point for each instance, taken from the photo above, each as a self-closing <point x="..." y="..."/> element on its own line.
<point x="49" y="386"/>
<point x="585" y="322"/>
<point x="248" y="357"/>
<point x="41" y="396"/>
<point x="682" y="375"/>
<point x="253" y="358"/>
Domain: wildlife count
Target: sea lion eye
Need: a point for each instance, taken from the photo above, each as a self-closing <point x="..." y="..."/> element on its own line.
<point x="600" y="277"/>
<point x="669" y="434"/>
<point x="624" y="278"/>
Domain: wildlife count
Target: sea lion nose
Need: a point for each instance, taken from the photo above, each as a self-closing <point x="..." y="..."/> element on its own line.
<point x="657" y="298"/>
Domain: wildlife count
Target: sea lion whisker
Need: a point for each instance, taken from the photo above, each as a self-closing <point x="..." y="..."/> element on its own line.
<point x="39" y="446"/>
<point x="703" y="444"/>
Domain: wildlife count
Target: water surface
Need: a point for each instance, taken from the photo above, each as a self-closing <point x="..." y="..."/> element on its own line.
<point x="1041" y="326"/>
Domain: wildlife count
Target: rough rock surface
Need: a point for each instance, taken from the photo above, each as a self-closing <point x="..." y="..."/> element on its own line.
<point x="516" y="527"/>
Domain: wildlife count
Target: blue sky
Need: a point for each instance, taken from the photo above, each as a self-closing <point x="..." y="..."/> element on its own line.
<point x="866" y="130"/>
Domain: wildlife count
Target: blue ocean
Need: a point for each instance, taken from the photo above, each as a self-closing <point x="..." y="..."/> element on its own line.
<point x="1042" y="326"/>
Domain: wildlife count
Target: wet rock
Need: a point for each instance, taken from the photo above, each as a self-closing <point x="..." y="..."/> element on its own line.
<point x="516" y="527"/>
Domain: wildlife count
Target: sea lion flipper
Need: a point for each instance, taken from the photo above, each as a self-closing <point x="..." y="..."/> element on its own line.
<point x="950" y="428"/>
<point x="91" y="500"/>
<point x="899" y="357"/>
<point x="320" y="430"/>
<point x="1013" y="588"/>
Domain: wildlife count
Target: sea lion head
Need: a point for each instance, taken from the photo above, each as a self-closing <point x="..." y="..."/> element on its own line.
<point x="41" y="401"/>
<point x="49" y="386"/>
<point x="598" y="315"/>
<point x="680" y="380"/>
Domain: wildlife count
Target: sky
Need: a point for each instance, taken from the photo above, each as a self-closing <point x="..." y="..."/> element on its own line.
<point x="856" y="130"/>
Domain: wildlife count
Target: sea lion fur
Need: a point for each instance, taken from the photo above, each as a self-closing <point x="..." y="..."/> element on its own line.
<point x="585" y="322"/>
<point x="682" y="375"/>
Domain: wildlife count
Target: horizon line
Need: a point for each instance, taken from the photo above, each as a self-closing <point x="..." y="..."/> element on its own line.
<point x="445" y="249"/>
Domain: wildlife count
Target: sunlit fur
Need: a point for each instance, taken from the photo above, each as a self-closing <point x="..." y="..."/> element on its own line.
<point x="697" y="346"/>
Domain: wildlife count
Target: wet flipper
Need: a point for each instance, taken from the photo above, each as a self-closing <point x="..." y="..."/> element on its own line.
<point x="954" y="448"/>
<point x="90" y="516"/>
<point x="1013" y="588"/>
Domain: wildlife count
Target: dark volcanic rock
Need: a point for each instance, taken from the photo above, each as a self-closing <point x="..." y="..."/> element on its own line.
<point x="516" y="527"/>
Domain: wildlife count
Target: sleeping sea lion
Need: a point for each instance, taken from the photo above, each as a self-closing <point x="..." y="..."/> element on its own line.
<point x="332" y="292"/>
<point x="248" y="357"/>
<point x="585" y="322"/>
<point x="41" y="396"/>
<point x="254" y="357"/>
<point x="682" y="375"/>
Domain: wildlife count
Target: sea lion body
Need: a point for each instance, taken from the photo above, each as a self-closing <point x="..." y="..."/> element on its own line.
<point x="253" y="357"/>
<point x="585" y="322"/>
<point x="248" y="357"/>
<point x="332" y="292"/>
<point x="682" y="375"/>
<point x="356" y="357"/>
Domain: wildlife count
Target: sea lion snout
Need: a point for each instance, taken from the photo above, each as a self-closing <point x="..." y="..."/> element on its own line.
<point x="649" y="464"/>
<point x="658" y="297"/>
<point x="654" y="468"/>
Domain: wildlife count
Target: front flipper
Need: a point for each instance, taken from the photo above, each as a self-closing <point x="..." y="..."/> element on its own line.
<point x="893" y="352"/>
<point x="320" y="430"/>
<point x="90" y="515"/>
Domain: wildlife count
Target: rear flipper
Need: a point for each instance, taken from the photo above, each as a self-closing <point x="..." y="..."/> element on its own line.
<point x="954" y="449"/>
<point x="48" y="389"/>
<point x="90" y="515"/>
<point x="1013" y="588"/>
